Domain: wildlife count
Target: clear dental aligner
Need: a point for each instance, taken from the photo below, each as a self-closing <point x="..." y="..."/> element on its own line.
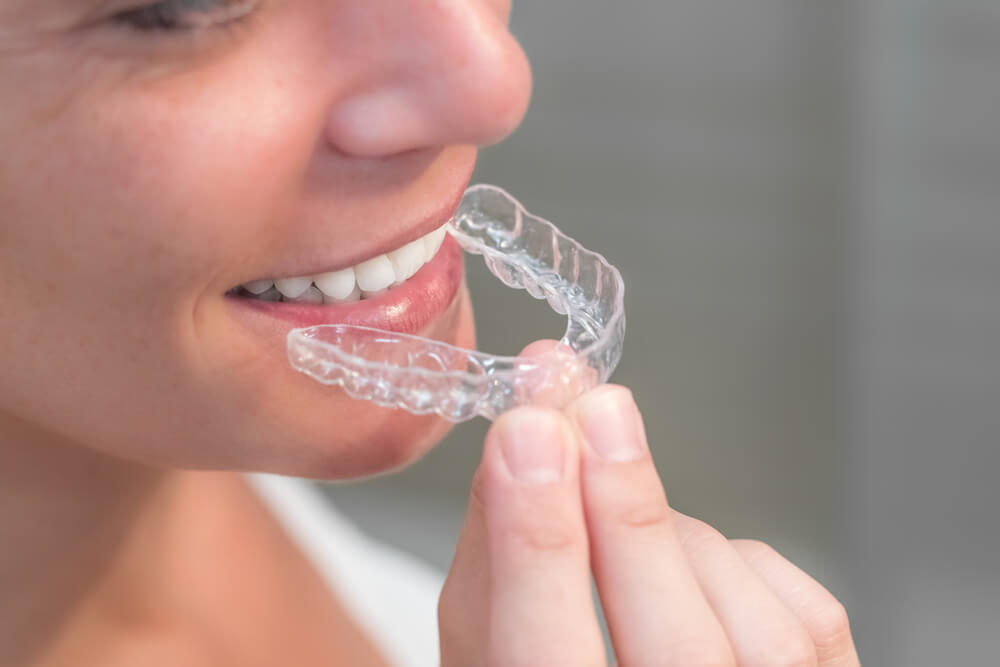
<point x="426" y="376"/>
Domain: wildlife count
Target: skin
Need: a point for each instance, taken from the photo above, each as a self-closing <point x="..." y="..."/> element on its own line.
<point x="142" y="177"/>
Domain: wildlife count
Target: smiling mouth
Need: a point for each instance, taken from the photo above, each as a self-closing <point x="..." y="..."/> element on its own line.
<point x="366" y="280"/>
<point x="406" y="304"/>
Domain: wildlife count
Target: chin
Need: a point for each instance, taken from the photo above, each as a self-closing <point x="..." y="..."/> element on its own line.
<point x="359" y="439"/>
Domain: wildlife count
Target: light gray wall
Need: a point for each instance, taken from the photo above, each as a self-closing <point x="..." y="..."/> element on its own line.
<point x="802" y="196"/>
<point x="924" y="336"/>
<point x="697" y="146"/>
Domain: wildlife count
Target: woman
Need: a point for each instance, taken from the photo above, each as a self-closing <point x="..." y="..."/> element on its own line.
<point x="183" y="180"/>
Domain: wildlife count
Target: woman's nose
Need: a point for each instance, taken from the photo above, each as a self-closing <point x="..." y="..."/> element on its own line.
<point x="429" y="73"/>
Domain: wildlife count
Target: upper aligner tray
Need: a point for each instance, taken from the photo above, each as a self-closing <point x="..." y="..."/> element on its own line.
<point x="426" y="376"/>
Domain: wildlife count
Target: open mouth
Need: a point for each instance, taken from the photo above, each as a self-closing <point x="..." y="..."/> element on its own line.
<point x="411" y="286"/>
<point x="366" y="280"/>
<point x="423" y="374"/>
<point x="403" y="290"/>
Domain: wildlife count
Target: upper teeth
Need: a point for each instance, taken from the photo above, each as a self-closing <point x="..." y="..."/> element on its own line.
<point x="368" y="278"/>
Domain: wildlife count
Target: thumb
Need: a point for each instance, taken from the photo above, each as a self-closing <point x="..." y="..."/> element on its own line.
<point x="463" y="609"/>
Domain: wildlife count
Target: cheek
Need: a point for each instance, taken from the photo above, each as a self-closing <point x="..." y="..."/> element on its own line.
<point x="118" y="229"/>
<point x="130" y="204"/>
<point x="114" y="222"/>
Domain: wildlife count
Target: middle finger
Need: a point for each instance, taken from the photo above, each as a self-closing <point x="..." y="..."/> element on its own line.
<point x="761" y="630"/>
<point x="654" y="606"/>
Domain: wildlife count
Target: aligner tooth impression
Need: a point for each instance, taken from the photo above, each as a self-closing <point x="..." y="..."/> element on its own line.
<point x="425" y="376"/>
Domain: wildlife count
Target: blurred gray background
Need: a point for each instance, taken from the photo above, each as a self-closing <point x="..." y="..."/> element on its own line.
<point x="804" y="198"/>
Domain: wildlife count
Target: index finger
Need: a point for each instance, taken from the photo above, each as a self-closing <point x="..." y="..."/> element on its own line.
<point x="541" y="609"/>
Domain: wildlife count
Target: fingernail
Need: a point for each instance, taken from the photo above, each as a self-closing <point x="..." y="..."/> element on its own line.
<point x="611" y="424"/>
<point x="532" y="442"/>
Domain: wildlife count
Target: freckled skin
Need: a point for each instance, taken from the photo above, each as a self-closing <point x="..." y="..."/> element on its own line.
<point x="142" y="178"/>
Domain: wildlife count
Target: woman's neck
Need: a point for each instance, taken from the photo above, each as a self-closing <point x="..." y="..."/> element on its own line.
<point x="96" y="548"/>
<point x="65" y="511"/>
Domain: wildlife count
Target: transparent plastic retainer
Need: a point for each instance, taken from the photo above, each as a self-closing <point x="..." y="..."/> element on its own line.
<point x="425" y="376"/>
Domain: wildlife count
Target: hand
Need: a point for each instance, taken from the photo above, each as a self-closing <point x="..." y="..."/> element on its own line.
<point x="560" y="494"/>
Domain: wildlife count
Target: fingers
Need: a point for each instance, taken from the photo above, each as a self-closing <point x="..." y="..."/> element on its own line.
<point x="761" y="630"/>
<point x="540" y="610"/>
<point x="655" y="609"/>
<point x="822" y="615"/>
<point x="463" y="608"/>
<point x="467" y="586"/>
<point x="552" y="490"/>
<point x="538" y="347"/>
<point x="558" y="380"/>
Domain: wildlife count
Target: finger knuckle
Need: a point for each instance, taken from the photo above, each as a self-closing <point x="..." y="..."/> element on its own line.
<point x="644" y="515"/>
<point x="829" y="627"/>
<point x="546" y="536"/>
<point x="698" y="537"/>
<point x="754" y="551"/>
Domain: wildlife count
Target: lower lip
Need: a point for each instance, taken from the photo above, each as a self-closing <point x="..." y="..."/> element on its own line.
<point x="407" y="308"/>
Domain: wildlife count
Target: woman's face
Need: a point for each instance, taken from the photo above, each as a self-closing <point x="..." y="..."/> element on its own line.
<point x="157" y="156"/>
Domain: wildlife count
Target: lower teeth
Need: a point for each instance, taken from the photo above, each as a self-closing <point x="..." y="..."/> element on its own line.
<point x="273" y="295"/>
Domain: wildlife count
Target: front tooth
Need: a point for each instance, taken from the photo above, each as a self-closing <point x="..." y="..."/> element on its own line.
<point x="293" y="287"/>
<point x="311" y="295"/>
<point x="355" y="295"/>
<point x="336" y="284"/>
<point x="375" y="274"/>
<point x="433" y="241"/>
<point x="406" y="260"/>
<point x="258" y="286"/>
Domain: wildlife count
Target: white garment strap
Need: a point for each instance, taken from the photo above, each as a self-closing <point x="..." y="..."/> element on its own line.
<point x="391" y="594"/>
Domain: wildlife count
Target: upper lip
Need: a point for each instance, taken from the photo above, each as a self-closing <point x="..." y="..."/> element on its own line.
<point x="439" y="215"/>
